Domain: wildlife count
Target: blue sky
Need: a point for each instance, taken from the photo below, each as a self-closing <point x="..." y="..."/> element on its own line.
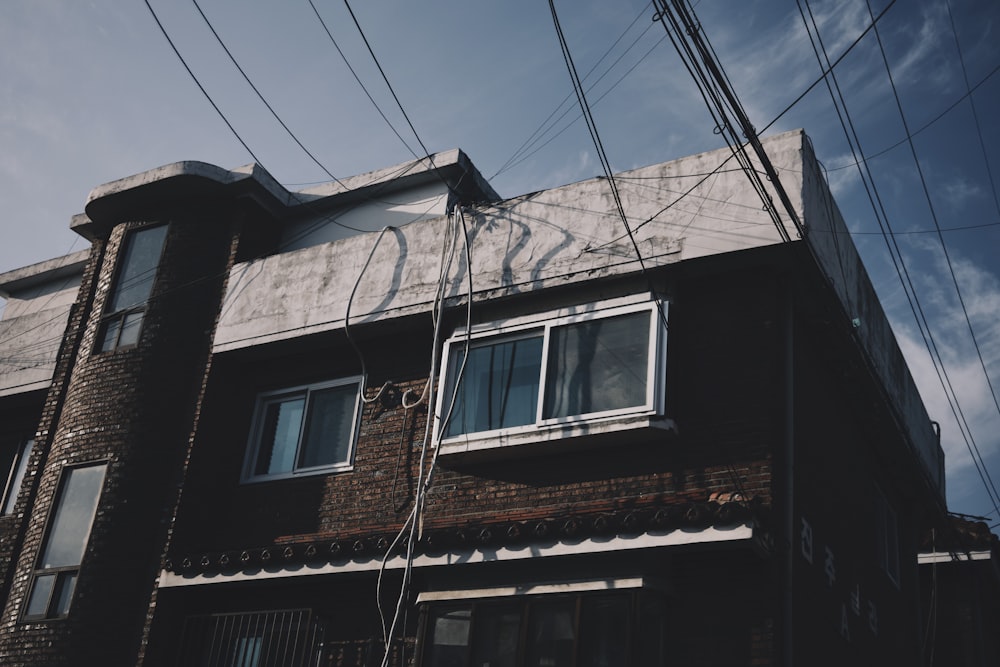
<point x="91" y="92"/>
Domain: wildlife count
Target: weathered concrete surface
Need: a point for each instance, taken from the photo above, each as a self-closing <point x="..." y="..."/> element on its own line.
<point x="39" y="298"/>
<point x="564" y="235"/>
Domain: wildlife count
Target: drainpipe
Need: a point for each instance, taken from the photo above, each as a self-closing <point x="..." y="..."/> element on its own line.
<point x="788" y="473"/>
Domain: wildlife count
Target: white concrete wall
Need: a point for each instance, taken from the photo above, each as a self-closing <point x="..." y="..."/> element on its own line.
<point x="564" y="235"/>
<point x="393" y="210"/>
<point x="34" y="320"/>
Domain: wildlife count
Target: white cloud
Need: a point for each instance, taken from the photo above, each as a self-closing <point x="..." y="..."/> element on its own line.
<point x="981" y="295"/>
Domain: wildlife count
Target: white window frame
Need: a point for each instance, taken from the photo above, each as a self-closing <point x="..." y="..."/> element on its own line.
<point x="259" y="416"/>
<point x="650" y="414"/>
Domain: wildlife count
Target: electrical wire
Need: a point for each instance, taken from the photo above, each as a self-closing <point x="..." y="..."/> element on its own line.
<point x="592" y="129"/>
<point x="881" y="216"/>
<point x="947" y="255"/>
<point x="357" y="78"/>
<point x="260" y="96"/>
<point x="540" y="131"/>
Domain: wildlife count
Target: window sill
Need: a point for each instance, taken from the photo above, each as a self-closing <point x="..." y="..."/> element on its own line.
<point x="556" y="438"/>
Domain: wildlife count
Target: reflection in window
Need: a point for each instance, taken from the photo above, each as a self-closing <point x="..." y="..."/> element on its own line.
<point x="304" y="430"/>
<point x="499" y="386"/>
<point x="588" y="630"/>
<point x="133" y="284"/>
<point x="17" y="464"/>
<point x="593" y="365"/>
<point x="65" y="542"/>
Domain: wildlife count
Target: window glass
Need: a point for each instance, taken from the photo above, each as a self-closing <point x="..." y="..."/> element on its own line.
<point x="551" y="634"/>
<point x="450" y="638"/>
<point x="138" y="268"/>
<point x="499" y="385"/>
<point x="597" y="365"/>
<point x="133" y="284"/>
<point x="17" y="469"/>
<point x="327" y="439"/>
<point x="74" y="512"/>
<point x="41" y="591"/>
<point x="305" y="430"/>
<point x="497" y="633"/>
<point x="604" y="631"/>
<point x="280" y="436"/>
<point x="63" y="594"/>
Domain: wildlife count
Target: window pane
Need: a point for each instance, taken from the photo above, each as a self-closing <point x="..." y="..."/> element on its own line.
<point x="280" y="436"/>
<point x="17" y="476"/>
<point x="131" y="326"/>
<point x="38" y="603"/>
<point x="449" y="638"/>
<point x="65" y="585"/>
<point x="138" y="268"/>
<point x="551" y="634"/>
<point x="652" y="635"/>
<point x="74" y="512"/>
<point x="110" y="340"/>
<point x="327" y="439"/>
<point x="496" y="636"/>
<point x="597" y="365"/>
<point x="499" y="388"/>
<point x="604" y="627"/>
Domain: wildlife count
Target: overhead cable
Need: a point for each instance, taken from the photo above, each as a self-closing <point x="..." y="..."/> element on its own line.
<point x="944" y="245"/>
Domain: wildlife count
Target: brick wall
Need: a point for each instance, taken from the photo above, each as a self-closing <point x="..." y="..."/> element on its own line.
<point x="721" y="391"/>
<point x="132" y="408"/>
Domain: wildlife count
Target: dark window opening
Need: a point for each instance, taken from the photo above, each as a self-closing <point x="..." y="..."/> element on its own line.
<point x="619" y="629"/>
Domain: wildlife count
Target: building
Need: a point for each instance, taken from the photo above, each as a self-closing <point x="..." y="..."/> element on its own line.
<point x="220" y="427"/>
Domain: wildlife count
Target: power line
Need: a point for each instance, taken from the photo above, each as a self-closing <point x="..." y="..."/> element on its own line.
<point x="357" y="78"/>
<point x="261" y="96"/>
<point x="944" y="245"/>
<point x="592" y="128"/>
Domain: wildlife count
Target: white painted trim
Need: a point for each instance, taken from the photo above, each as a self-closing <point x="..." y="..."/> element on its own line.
<point x="538" y="589"/>
<point x="654" y="539"/>
<point x="946" y="556"/>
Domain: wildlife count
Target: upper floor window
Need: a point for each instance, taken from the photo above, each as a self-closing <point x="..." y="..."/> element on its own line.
<point x="65" y="541"/>
<point x="133" y="283"/>
<point x="304" y="430"/>
<point x="539" y="376"/>
<point x="16" y="459"/>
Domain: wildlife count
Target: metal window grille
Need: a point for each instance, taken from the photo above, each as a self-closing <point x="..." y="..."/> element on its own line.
<point x="286" y="638"/>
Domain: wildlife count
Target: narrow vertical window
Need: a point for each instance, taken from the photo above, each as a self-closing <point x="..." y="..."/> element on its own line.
<point x="18" y="466"/>
<point x="886" y="537"/>
<point x="65" y="541"/>
<point x="126" y="305"/>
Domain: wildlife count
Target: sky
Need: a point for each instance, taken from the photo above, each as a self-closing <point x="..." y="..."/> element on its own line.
<point x="91" y="92"/>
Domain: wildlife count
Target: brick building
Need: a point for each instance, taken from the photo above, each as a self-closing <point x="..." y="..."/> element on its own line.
<point x="252" y="426"/>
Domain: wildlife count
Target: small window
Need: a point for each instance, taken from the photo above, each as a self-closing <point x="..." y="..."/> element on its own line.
<point x="65" y="542"/>
<point x="538" y="375"/>
<point x="126" y="307"/>
<point x="17" y="465"/>
<point x="304" y="430"/>
<point x="886" y="537"/>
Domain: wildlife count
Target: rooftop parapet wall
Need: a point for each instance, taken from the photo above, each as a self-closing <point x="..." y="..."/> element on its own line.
<point x="529" y="243"/>
<point x="836" y="254"/>
<point x="39" y="298"/>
